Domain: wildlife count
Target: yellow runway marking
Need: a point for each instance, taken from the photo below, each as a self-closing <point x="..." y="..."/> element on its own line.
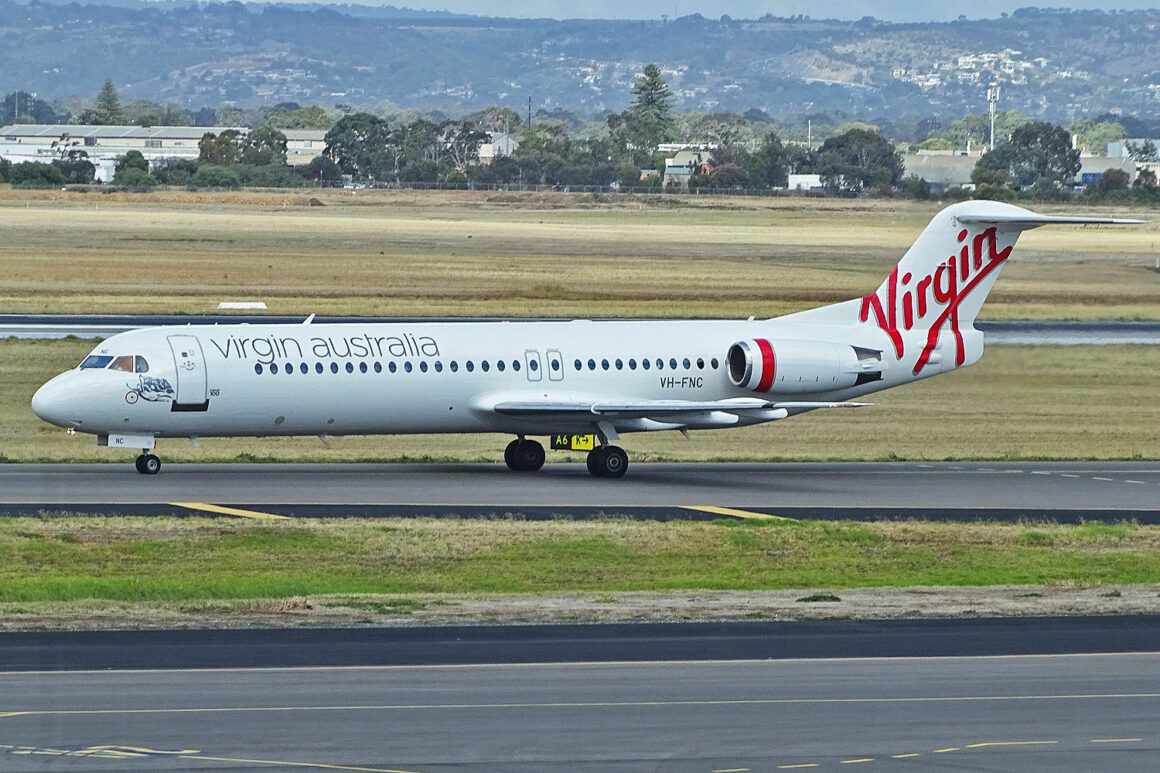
<point x="909" y="756"/>
<point x="11" y="714"/>
<point x="284" y="763"/>
<point x="219" y="510"/>
<point x="1116" y="740"/>
<point x="734" y="513"/>
<point x="989" y="744"/>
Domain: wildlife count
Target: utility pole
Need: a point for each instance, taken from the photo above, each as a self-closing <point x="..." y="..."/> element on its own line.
<point x="529" y="112"/>
<point x="992" y="103"/>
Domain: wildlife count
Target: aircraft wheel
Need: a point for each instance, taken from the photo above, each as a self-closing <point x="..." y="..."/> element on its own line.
<point x="608" y="462"/>
<point x="148" y="464"/>
<point x="524" y="456"/>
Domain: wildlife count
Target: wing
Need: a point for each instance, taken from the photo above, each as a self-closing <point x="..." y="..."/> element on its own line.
<point x="657" y="409"/>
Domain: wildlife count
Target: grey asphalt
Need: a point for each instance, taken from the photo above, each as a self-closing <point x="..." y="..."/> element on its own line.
<point x="1069" y="490"/>
<point x="1028" y="714"/>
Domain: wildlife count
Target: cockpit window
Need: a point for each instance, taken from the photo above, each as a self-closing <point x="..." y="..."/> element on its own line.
<point x="142" y="366"/>
<point x="124" y="362"/>
<point x="96" y="361"/>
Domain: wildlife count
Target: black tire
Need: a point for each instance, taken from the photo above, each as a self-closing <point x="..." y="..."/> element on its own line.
<point x="148" y="464"/>
<point x="524" y="456"/>
<point x="615" y="462"/>
<point x="596" y="462"/>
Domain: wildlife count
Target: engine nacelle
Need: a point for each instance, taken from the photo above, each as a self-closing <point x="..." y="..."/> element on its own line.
<point x="790" y="367"/>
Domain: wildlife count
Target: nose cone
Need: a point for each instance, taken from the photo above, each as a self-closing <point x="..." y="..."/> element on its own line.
<point x="51" y="401"/>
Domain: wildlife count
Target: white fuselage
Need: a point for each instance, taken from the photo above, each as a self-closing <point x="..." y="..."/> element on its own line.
<point x="263" y="380"/>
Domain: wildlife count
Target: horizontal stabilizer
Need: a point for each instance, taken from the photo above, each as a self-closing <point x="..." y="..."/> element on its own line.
<point x="1034" y="220"/>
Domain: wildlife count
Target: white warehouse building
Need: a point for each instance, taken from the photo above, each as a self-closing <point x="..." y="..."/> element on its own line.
<point x="103" y="144"/>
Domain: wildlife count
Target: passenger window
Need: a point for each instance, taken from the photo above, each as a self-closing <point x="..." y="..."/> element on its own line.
<point x="334" y="367"/>
<point x="454" y="366"/>
<point x="644" y="363"/>
<point x="470" y="366"/>
<point x="362" y="367"/>
<point x="304" y="368"/>
<point x="142" y="365"/>
<point x="700" y="364"/>
<point x="350" y="367"/>
<point x="619" y="364"/>
<point x="500" y="365"/>
<point x="533" y="365"/>
<point x="407" y="366"/>
<point x="273" y="367"/>
<point x="423" y="366"/>
<point x="672" y="363"/>
<point x="124" y="362"/>
<point x="258" y="368"/>
<point x="660" y="364"/>
<point x="392" y="367"/>
<point x="438" y="366"/>
<point x="555" y="364"/>
<point x="592" y="365"/>
<point x="515" y="364"/>
<point x="686" y="363"/>
<point x="485" y="366"/>
<point x="576" y="365"/>
<point x="318" y="367"/>
<point x="631" y="363"/>
<point x="714" y="363"/>
<point x="604" y="364"/>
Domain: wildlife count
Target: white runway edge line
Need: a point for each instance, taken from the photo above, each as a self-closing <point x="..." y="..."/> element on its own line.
<point x="694" y="703"/>
<point x="592" y="664"/>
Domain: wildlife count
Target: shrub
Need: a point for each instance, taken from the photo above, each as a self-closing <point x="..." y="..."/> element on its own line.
<point x="133" y="178"/>
<point x="33" y="174"/>
<point x="174" y="171"/>
<point x="210" y="176"/>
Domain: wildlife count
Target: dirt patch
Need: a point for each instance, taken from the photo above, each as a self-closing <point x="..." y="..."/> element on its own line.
<point x="421" y="609"/>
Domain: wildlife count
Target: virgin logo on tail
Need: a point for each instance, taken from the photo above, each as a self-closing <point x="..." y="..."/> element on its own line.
<point x="942" y="292"/>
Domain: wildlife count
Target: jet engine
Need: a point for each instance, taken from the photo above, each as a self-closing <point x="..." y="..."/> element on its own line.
<point x="792" y="367"/>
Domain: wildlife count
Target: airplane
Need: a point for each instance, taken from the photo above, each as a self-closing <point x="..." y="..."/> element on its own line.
<point x="583" y="383"/>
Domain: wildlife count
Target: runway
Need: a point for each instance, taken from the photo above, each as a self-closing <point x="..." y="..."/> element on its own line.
<point x="1079" y="712"/>
<point x="1065" y="491"/>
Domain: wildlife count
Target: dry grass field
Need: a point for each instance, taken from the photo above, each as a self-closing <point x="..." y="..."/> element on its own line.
<point x="1018" y="403"/>
<point x="462" y="253"/>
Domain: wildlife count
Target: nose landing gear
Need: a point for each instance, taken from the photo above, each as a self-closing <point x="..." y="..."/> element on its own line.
<point x="523" y="455"/>
<point x="148" y="464"/>
<point x="607" y="462"/>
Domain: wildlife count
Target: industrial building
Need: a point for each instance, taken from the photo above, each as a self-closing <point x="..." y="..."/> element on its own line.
<point x="104" y="144"/>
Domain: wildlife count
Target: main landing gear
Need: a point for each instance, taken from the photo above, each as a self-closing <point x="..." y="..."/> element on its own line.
<point x="523" y="455"/>
<point x="607" y="462"/>
<point x="148" y="464"/>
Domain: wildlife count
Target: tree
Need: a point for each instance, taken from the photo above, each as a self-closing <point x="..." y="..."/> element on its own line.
<point x="1039" y="154"/>
<point x="308" y="117"/>
<point x="770" y="165"/>
<point x="174" y="171"/>
<point x="1145" y="179"/>
<point x="462" y="140"/>
<point x="264" y="146"/>
<point x="916" y="187"/>
<point x="649" y="119"/>
<point x="211" y="176"/>
<point x="134" y="178"/>
<point x="68" y="148"/>
<point x="358" y="144"/>
<point x="223" y="149"/>
<point x="1143" y="151"/>
<point x="107" y="108"/>
<point x="33" y="174"/>
<point x="859" y="159"/>
<point x="5" y="166"/>
<point x="1114" y="180"/>
<point x="22" y="107"/>
<point x="76" y="171"/>
<point x="131" y="160"/>
<point x="320" y="169"/>
<point x="1096" y="135"/>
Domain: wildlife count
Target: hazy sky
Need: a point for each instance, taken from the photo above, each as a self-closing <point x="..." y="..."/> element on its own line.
<point x="894" y="10"/>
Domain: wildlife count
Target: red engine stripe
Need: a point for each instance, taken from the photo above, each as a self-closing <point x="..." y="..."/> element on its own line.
<point x="768" y="365"/>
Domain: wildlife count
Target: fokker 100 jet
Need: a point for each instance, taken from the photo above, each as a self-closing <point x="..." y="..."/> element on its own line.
<point x="584" y="383"/>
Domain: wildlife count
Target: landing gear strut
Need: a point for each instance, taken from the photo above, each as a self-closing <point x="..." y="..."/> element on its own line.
<point x="607" y="462"/>
<point x="148" y="464"/>
<point x="523" y="455"/>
